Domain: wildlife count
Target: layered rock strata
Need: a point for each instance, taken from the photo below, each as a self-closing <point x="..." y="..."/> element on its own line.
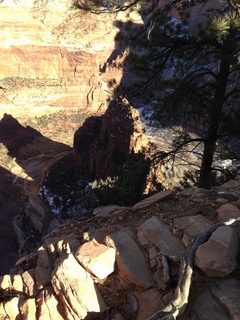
<point x="55" y="57"/>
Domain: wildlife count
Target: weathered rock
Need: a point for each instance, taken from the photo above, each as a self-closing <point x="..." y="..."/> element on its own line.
<point x="206" y="307"/>
<point x="226" y="292"/>
<point x="99" y="235"/>
<point x="157" y="232"/>
<point x="221" y="200"/>
<point x="28" y="309"/>
<point x="43" y="269"/>
<point x="56" y="55"/>
<point x="102" y="144"/>
<point x="130" y="307"/>
<point x="43" y="276"/>
<point x="12" y="310"/>
<point x="219" y="301"/>
<point x="141" y="281"/>
<point x="28" y="278"/>
<point x="5" y="282"/>
<point x="74" y="286"/>
<point x="149" y="301"/>
<point x="231" y="185"/>
<point x="48" y="306"/>
<point x="130" y="260"/>
<point x="97" y="258"/>
<point x="228" y="211"/>
<point x="195" y="192"/>
<point x="217" y="256"/>
<point x="160" y="196"/>
<point x="104" y="211"/>
<point x="192" y="226"/>
<point x="17" y="283"/>
<point x="3" y="314"/>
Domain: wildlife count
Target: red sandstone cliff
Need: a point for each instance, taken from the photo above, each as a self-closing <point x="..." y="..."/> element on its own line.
<point x="59" y="48"/>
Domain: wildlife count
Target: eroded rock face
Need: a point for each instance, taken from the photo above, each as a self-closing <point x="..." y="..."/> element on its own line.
<point x="54" y="41"/>
<point x="103" y="144"/>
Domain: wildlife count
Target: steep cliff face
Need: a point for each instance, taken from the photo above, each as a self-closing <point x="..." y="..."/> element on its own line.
<point x="57" y="51"/>
<point x="103" y="144"/>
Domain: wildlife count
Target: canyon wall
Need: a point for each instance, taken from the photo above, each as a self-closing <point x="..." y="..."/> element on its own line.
<point x="55" y="57"/>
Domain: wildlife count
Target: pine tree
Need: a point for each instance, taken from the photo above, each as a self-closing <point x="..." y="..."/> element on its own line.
<point x="194" y="77"/>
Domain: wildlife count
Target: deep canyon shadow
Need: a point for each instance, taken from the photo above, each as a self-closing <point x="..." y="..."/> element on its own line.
<point x="28" y="149"/>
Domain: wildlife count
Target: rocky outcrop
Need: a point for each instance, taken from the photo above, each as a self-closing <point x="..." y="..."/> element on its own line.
<point x="125" y="264"/>
<point x="102" y="145"/>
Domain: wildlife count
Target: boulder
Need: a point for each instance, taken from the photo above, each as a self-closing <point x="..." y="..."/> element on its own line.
<point x="226" y="292"/>
<point x="158" y="233"/>
<point x="157" y="197"/>
<point x="228" y="211"/>
<point x="217" y="256"/>
<point x="205" y="307"/>
<point x="74" y="286"/>
<point x="97" y="258"/>
<point x="130" y="260"/>
<point x="192" y="227"/>
<point x="218" y="302"/>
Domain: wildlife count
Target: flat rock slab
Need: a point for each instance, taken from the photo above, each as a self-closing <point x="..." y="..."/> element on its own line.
<point x="130" y="260"/>
<point x="196" y="192"/>
<point x="97" y="258"/>
<point x="158" y="233"/>
<point x="227" y="293"/>
<point x="149" y="302"/>
<point x="192" y="226"/>
<point x="206" y="307"/>
<point x="104" y="211"/>
<point x="228" y="211"/>
<point x="219" y="302"/>
<point x="160" y="196"/>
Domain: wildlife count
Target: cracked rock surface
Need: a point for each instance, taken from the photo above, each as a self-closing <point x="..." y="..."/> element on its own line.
<point x="126" y="265"/>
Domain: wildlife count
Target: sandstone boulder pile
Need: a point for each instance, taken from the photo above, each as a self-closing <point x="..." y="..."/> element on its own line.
<point x="125" y="265"/>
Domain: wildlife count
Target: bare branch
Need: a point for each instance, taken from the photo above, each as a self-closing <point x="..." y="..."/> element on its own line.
<point x="162" y="155"/>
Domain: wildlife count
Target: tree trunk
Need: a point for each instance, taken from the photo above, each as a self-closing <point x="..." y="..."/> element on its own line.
<point x="215" y="116"/>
